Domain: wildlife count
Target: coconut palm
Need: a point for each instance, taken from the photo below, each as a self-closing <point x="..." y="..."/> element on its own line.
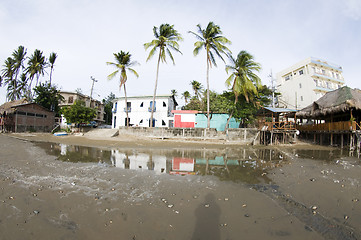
<point x="36" y="66"/>
<point x="8" y="78"/>
<point x="174" y="92"/>
<point x="18" y="57"/>
<point x="52" y="59"/>
<point x="166" y="39"/>
<point x="123" y="64"/>
<point x="213" y="42"/>
<point x="186" y="95"/>
<point x="243" y="79"/>
<point x="197" y="88"/>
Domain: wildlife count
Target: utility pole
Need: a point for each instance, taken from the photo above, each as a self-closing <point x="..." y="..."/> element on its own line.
<point x="273" y="89"/>
<point x="91" y="91"/>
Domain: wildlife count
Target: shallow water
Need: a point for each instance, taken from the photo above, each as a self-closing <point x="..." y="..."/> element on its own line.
<point x="248" y="165"/>
<point x="92" y="193"/>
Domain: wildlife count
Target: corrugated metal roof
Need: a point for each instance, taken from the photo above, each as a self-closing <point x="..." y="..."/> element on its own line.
<point x="280" y="110"/>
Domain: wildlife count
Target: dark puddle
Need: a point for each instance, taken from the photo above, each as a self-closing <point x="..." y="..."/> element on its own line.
<point x="248" y="165"/>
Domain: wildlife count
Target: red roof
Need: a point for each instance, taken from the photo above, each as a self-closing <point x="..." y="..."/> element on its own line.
<point x="185" y="111"/>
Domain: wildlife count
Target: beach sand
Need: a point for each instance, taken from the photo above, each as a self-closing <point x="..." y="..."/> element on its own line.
<point x="43" y="198"/>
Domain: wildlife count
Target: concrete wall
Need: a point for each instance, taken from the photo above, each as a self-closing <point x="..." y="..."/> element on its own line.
<point x="218" y="121"/>
<point x="244" y="135"/>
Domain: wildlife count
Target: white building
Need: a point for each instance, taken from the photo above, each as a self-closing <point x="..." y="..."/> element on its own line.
<point x="307" y="81"/>
<point x="139" y="161"/>
<point x="139" y="111"/>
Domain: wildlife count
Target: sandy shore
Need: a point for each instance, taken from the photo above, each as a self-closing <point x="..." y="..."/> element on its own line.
<point x="43" y="198"/>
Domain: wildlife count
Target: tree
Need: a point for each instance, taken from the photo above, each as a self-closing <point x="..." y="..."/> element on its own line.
<point x="8" y="79"/>
<point x="214" y="43"/>
<point x="166" y="39"/>
<point x="78" y="113"/>
<point x="197" y="88"/>
<point x="123" y="64"/>
<point x="48" y="96"/>
<point x="186" y="95"/>
<point x="174" y="92"/>
<point x="52" y="59"/>
<point x="243" y="80"/>
<point x="108" y="106"/>
<point x="245" y="111"/>
<point x="18" y="57"/>
<point x="218" y="103"/>
<point x="36" y="66"/>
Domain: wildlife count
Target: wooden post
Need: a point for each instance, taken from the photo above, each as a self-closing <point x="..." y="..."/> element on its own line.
<point x="331" y="140"/>
<point x="341" y="140"/>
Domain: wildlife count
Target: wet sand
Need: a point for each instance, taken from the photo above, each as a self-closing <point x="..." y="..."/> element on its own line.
<point x="43" y="198"/>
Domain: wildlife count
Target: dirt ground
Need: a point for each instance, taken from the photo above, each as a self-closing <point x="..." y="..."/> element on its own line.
<point x="43" y="198"/>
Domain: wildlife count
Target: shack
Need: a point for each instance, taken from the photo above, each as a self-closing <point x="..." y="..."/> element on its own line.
<point x="22" y="116"/>
<point x="334" y="119"/>
<point x="277" y="125"/>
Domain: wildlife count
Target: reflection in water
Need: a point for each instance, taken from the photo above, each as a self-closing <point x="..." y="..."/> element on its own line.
<point x="247" y="165"/>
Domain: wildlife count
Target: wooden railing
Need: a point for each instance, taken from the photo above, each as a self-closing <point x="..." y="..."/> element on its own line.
<point x="334" y="126"/>
<point x="278" y="126"/>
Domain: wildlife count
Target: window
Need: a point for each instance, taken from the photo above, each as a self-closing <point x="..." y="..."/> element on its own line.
<point x="302" y="98"/>
<point x="163" y="123"/>
<point x="141" y="105"/>
<point x="300" y="72"/>
<point x="151" y="105"/>
<point x="287" y="78"/>
<point x="70" y="99"/>
<point x="323" y="72"/>
<point x="164" y="104"/>
<point x="141" y="121"/>
<point x="300" y="85"/>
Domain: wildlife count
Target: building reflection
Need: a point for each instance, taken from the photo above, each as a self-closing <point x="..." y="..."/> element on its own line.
<point x="247" y="165"/>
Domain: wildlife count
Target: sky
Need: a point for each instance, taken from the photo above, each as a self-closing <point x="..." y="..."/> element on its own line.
<point x="86" y="33"/>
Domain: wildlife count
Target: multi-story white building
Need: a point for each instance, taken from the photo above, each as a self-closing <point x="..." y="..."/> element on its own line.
<point x="71" y="97"/>
<point x="307" y="81"/>
<point x="139" y="110"/>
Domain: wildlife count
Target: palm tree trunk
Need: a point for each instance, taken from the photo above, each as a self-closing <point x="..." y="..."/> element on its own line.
<point x="230" y="116"/>
<point x="208" y="116"/>
<point x="51" y="71"/>
<point x="155" y="89"/>
<point x="126" y="105"/>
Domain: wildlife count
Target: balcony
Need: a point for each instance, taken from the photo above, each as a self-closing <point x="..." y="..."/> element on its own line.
<point x="327" y="76"/>
<point x="127" y="109"/>
<point x="114" y="110"/>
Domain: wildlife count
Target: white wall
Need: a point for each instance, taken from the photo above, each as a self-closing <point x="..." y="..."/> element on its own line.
<point x="139" y="111"/>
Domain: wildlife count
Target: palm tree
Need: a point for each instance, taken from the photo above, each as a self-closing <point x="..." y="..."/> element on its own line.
<point x="174" y="92"/>
<point x="123" y="64"/>
<point x="243" y="80"/>
<point x="52" y="59"/>
<point x="166" y="39"/>
<point x="186" y="95"/>
<point x="214" y="43"/>
<point x="197" y="88"/>
<point x="36" y="66"/>
<point x="18" y="57"/>
<point x="8" y="79"/>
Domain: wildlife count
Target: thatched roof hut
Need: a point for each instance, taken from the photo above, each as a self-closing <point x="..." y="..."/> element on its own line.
<point x="8" y="106"/>
<point x="338" y="102"/>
